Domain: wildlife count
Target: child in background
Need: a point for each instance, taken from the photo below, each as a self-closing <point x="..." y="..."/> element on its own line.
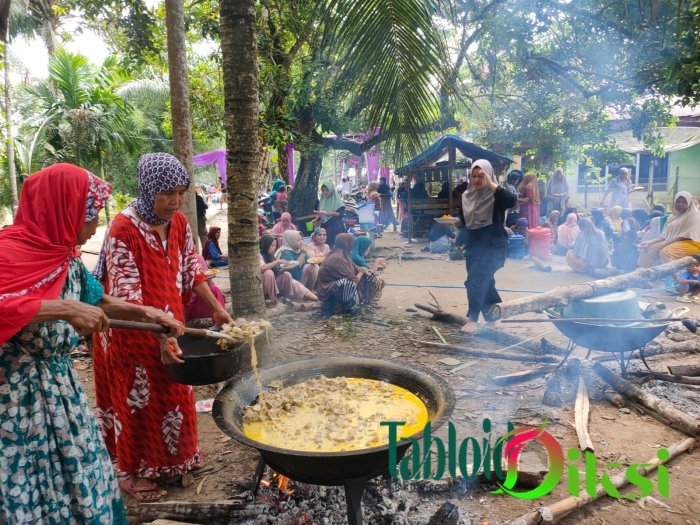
<point x="689" y="284"/>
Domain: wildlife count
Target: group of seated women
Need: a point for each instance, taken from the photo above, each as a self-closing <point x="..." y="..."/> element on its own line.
<point x="341" y="278"/>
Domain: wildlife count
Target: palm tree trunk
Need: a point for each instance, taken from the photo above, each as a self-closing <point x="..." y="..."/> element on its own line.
<point x="180" y="101"/>
<point x="101" y="167"/>
<point x="9" y="141"/>
<point x="243" y="144"/>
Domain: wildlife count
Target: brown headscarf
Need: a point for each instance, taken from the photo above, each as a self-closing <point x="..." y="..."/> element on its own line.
<point x="337" y="265"/>
<point x="530" y="181"/>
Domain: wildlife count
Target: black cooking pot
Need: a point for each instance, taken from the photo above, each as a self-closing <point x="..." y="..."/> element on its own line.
<point x="205" y="362"/>
<point x="330" y="468"/>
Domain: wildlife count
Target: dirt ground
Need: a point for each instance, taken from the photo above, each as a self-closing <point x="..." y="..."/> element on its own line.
<point x="624" y="435"/>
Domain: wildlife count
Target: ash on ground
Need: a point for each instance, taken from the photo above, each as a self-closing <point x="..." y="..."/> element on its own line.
<point x="384" y="502"/>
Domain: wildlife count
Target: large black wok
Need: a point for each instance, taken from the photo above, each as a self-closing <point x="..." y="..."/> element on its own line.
<point x="608" y="337"/>
<point x="351" y="469"/>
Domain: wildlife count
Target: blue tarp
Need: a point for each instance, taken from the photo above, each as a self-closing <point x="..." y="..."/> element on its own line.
<point x="437" y="150"/>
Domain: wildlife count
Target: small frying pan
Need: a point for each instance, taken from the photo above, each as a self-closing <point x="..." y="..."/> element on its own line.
<point x="205" y="362"/>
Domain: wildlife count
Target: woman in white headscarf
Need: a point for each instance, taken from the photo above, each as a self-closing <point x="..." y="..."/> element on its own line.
<point x="679" y="238"/>
<point x="484" y="206"/>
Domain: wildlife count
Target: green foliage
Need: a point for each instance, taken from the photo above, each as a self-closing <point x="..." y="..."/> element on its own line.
<point x="646" y="120"/>
<point x="84" y="114"/>
<point x="121" y="200"/>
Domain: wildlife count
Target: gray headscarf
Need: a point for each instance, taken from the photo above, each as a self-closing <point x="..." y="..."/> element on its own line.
<point x="477" y="205"/>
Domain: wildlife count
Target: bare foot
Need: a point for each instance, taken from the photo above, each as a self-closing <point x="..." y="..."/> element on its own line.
<point x="470" y="327"/>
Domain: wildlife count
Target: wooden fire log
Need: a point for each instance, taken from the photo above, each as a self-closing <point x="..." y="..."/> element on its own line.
<point x="447" y="514"/>
<point x="215" y="511"/>
<point x="685" y="370"/>
<point x="655" y="348"/>
<point x="470" y="352"/>
<point x="679" y="419"/>
<point x="581" y="409"/>
<point x="555" y="512"/>
<point x="498" y="336"/>
<point x="563" y="295"/>
<point x="668" y="377"/>
<point x="522" y="376"/>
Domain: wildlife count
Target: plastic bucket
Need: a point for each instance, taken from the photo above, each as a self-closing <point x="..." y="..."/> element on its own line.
<point x="365" y="213"/>
<point x="516" y="246"/>
<point x="539" y="243"/>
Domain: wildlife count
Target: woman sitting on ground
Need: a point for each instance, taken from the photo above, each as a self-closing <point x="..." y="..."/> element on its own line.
<point x="198" y="308"/>
<point x="318" y="247"/>
<point x="566" y="235"/>
<point x="293" y="250"/>
<point x="338" y="278"/>
<point x="680" y="236"/>
<point x="625" y="251"/>
<point x="285" y="224"/>
<point x="600" y="222"/>
<point x="277" y="282"/>
<point x="552" y="223"/>
<point x="615" y="216"/>
<point x="441" y="238"/>
<point x="211" y="251"/>
<point x="590" y="250"/>
<point x="371" y="285"/>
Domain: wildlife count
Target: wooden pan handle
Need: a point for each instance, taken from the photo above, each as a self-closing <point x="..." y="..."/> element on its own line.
<point x="154" y="327"/>
<point x="133" y="325"/>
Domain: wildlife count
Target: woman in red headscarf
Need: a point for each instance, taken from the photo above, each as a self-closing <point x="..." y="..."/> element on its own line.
<point x="54" y="464"/>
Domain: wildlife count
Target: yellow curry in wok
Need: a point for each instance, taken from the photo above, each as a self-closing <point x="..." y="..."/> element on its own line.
<point x="333" y="415"/>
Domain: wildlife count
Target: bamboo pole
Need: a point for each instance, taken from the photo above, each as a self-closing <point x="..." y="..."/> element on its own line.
<point x="555" y="512"/>
<point x="563" y="295"/>
<point x="461" y="350"/>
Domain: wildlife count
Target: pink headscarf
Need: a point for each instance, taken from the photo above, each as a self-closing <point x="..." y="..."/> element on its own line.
<point x="567" y="232"/>
<point x="279" y="228"/>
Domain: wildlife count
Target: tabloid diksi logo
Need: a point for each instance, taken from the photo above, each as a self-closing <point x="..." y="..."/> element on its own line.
<point x="487" y="460"/>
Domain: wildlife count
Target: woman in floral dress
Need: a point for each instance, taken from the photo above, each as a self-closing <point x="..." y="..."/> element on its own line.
<point x="54" y="467"/>
<point x="147" y="419"/>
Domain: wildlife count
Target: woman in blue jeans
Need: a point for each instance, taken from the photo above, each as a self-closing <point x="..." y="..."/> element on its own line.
<point x="484" y="206"/>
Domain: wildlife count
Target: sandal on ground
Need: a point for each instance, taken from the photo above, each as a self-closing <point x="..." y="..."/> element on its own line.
<point x="695" y="299"/>
<point x="148" y="492"/>
<point x="686" y="299"/>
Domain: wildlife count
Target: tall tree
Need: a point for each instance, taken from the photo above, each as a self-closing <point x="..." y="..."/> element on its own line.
<point x="9" y="141"/>
<point x="180" y="99"/>
<point x="241" y="121"/>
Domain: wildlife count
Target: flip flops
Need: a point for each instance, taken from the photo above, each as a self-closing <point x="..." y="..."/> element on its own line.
<point x="141" y="493"/>
<point x="686" y="299"/>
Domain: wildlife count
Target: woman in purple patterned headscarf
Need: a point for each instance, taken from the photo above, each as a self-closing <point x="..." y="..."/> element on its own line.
<point x="148" y="421"/>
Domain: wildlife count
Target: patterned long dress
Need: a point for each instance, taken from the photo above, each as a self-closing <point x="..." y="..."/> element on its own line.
<point x="54" y="467"/>
<point x="148" y="421"/>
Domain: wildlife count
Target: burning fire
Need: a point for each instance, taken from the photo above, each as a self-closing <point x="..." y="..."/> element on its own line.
<point x="279" y="482"/>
